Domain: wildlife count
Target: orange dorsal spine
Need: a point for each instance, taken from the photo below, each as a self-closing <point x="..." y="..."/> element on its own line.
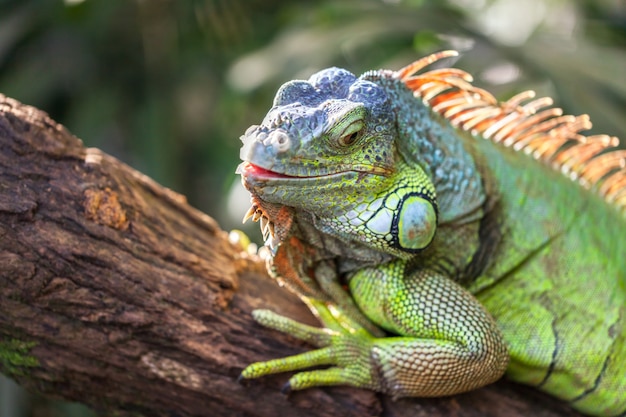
<point x="525" y="124"/>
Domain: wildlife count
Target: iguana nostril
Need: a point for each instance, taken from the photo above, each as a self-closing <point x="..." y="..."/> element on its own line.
<point x="280" y="141"/>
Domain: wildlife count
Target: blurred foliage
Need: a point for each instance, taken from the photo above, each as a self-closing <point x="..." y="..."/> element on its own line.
<point x="169" y="85"/>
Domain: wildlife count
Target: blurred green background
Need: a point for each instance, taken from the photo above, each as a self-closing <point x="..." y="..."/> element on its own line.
<point x="168" y="86"/>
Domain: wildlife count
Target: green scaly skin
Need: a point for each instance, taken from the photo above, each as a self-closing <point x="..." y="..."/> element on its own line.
<point x="473" y="259"/>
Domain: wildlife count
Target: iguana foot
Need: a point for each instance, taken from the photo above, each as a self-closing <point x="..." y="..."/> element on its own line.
<point x="346" y="347"/>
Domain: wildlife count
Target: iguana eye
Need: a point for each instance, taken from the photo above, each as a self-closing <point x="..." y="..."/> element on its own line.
<point x="349" y="139"/>
<point x="350" y="134"/>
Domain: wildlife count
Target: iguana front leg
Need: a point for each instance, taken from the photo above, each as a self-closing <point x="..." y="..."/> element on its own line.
<point x="448" y="343"/>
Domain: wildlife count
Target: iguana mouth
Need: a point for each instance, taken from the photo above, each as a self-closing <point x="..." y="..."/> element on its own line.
<point x="248" y="169"/>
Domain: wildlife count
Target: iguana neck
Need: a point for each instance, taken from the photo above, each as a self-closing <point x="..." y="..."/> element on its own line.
<point x="428" y="141"/>
<point x="348" y="257"/>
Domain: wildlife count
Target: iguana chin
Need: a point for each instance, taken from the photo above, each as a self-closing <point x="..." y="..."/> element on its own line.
<point x="474" y="237"/>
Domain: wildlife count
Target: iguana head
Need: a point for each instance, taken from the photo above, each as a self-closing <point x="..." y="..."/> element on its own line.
<point x="328" y="148"/>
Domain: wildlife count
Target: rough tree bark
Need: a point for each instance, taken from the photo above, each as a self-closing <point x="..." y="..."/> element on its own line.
<point x="115" y="293"/>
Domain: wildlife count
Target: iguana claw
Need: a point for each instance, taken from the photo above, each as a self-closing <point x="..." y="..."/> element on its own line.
<point x="286" y="389"/>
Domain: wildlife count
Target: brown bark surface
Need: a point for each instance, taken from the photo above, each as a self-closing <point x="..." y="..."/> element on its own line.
<point x="115" y="293"/>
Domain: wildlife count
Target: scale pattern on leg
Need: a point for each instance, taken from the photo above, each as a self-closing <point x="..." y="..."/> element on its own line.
<point x="451" y="344"/>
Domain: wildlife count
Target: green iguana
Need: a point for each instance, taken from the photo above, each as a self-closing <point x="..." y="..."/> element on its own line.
<point x="442" y="238"/>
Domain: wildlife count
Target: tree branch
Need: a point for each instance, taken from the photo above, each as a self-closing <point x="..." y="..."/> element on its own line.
<point x="115" y="293"/>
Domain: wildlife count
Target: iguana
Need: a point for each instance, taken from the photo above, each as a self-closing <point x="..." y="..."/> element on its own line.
<point x="441" y="237"/>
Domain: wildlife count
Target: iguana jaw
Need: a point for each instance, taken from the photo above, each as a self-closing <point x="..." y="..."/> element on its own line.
<point x="272" y="188"/>
<point x="274" y="212"/>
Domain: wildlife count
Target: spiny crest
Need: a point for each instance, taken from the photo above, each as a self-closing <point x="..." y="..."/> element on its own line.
<point x="524" y="124"/>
